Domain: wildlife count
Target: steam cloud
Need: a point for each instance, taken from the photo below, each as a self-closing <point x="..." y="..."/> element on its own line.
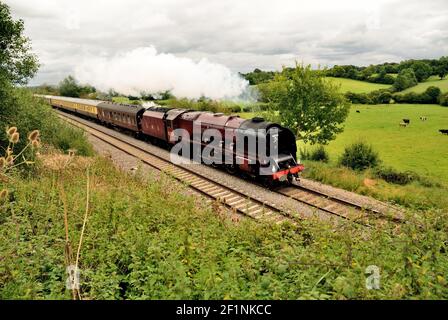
<point x="145" y="70"/>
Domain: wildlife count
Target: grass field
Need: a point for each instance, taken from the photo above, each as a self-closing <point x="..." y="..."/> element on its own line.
<point x="358" y="86"/>
<point x="432" y="81"/>
<point x="418" y="147"/>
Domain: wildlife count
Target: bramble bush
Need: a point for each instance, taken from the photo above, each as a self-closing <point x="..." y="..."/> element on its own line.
<point x="319" y="154"/>
<point x="359" y="156"/>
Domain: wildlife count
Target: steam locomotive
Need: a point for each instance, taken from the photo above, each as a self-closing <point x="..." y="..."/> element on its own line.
<point x="230" y="136"/>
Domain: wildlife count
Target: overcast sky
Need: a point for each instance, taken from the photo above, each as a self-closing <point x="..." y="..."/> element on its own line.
<point x="239" y="34"/>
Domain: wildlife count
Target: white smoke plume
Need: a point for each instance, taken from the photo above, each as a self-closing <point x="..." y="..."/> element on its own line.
<point x="146" y="70"/>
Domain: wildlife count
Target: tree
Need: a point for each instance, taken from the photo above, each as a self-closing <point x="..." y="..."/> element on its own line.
<point x="422" y="70"/>
<point x="17" y="63"/>
<point x="405" y="79"/>
<point x="309" y="104"/>
<point x="69" y="87"/>
<point x="433" y="93"/>
<point x="442" y="67"/>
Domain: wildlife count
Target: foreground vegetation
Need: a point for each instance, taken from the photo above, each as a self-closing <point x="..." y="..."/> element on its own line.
<point x="156" y="243"/>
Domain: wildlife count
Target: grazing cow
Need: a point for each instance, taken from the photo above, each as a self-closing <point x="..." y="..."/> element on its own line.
<point x="357" y="111"/>
<point x="402" y="124"/>
<point x="444" y="131"/>
<point x="407" y="121"/>
<point x="423" y="118"/>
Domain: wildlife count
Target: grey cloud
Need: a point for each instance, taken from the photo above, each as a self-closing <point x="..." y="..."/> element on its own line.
<point x="239" y="34"/>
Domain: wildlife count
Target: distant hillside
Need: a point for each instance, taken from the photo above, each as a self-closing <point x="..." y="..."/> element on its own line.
<point x="432" y="81"/>
<point x="357" y="86"/>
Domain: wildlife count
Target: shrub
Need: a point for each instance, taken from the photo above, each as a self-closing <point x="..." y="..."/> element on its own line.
<point x="360" y="98"/>
<point x="433" y="92"/>
<point x="405" y="79"/>
<point x="359" y="156"/>
<point x="443" y="99"/>
<point x="374" y="97"/>
<point x="380" y="96"/>
<point x="393" y="176"/>
<point x="319" y="154"/>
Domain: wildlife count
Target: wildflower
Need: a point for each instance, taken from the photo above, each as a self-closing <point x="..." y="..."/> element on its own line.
<point x="11" y="131"/>
<point x="33" y="135"/>
<point x="3" y="194"/>
<point x="8" y="151"/>
<point x="2" y="162"/>
<point x="14" y="137"/>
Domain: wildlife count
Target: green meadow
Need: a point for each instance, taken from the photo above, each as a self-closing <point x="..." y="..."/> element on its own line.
<point x="357" y="86"/>
<point x="432" y="81"/>
<point x="419" y="147"/>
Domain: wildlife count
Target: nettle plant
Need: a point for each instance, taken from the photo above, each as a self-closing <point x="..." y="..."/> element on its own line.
<point x="10" y="161"/>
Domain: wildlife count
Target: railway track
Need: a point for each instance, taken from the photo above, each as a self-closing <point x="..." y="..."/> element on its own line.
<point x="237" y="200"/>
<point x="343" y="208"/>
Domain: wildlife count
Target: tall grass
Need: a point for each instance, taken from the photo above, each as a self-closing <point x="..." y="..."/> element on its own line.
<point x="20" y="108"/>
<point x="420" y="193"/>
<point x="148" y="240"/>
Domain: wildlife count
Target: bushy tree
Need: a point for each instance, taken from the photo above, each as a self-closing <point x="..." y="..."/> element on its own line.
<point x="258" y="76"/>
<point x="17" y="63"/>
<point x="359" y="156"/>
<point x="422" y="70"/>
<point x="442" y="67"/>
<point x="405" y="79"/>
<point x="443" y="99"/>
<point x="69" y="87"/>
<point x="309" y="104"/>
<point x="319" y="154"/>
<point x="433" y="93"/>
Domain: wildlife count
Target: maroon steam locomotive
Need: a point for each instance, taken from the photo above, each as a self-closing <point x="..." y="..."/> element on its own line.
<point x="161" y="126"/>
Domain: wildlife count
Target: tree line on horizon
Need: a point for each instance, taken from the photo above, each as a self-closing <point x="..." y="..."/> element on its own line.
<point x="413" y="69"/>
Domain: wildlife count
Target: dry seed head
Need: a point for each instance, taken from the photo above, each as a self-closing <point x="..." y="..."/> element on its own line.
<point x="3" y="194"/>
<point x="8" y="151"/>
<point x="11" y="131"/>
<point x="9" y="160"/>
<point x="33" y="135"/>
<point x="35" y="144"/>
<point x="2" y="162"/>
<point x="15" y="137"/>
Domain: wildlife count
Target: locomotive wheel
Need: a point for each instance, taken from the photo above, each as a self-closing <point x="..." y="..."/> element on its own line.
<point x="230" y="168"/>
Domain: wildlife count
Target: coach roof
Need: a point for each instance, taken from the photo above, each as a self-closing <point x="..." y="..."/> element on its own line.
<point x="123" y="108"/>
